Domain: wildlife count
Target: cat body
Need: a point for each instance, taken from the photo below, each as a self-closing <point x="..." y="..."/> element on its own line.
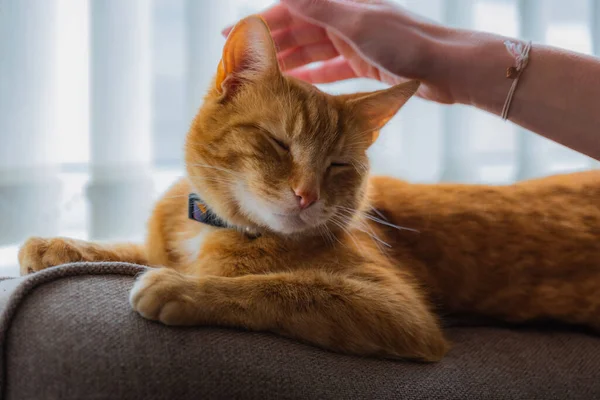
<point x="314" y="249"/>
<point x="484" y="249"/>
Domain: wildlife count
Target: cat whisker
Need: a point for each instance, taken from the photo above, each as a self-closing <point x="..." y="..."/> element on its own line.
<point x="376" y="238"/>
<point x="334" y="236"/>
<point x="340" y="224"/>
<point x="371" y="233"/>
<point x="325" y="234"/>
<point x="378" y="220"/>
<point x="321" y="233"/>
<point x="213" y="179"/>
<point x="360" y="166"/>
<point x="217" y="168"/>
<point x="379" y="213"/>
<point x="227" y="177"/>
<point x="368" y="230"/>
<point x="386" y="223"/>
<point x="362" y="133"/>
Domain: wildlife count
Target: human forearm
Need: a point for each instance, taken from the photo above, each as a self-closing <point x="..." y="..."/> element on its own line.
<point x="558" y="95"/>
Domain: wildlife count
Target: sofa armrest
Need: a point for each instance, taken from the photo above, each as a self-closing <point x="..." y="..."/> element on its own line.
<point x="69" y="333"/>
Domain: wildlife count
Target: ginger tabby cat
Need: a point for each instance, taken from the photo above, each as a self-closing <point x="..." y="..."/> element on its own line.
<point x="307" y="251"/>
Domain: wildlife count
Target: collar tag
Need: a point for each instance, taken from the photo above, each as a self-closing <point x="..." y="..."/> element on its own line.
<point x="199" y="211"/>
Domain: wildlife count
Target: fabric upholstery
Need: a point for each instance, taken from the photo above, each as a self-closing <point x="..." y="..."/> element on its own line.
<point x="69" y="333"/>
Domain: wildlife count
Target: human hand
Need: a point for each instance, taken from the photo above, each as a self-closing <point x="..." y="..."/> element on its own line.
<point x="355" y="38"/>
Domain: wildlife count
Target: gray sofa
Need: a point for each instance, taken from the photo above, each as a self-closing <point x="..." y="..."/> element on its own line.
<point x="68" y="333"/>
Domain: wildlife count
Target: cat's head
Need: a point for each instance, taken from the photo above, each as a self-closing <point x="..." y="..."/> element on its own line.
<point x="270" y="152"/>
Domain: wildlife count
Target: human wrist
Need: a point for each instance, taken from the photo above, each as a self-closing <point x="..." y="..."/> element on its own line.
<point x="470" y="67"/>
<point x="415" y="61"/>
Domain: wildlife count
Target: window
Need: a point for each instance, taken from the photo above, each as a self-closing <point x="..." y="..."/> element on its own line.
<point x="63" y="172"/>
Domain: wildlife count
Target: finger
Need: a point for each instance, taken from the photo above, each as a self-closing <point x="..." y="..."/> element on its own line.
<point x="300" y="56"/>
<point x="277" y="17"/>
<point x="226" y="30"/>
<point x="342" y="16"/>
<point x="298" y="36"/>
<point x="330" y="71"/>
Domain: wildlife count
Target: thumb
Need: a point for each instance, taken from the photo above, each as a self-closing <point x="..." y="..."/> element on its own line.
<point x="342" y="16"/>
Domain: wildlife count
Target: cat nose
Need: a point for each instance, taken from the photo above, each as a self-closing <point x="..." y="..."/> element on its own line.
<point x="305" y="197"/>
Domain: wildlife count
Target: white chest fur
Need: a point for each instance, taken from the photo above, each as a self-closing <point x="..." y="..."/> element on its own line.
<point x="193" y="246"/>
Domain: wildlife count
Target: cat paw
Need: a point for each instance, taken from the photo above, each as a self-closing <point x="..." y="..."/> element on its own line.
<point x="38" y="253"/>
<point x="164" y="295"/>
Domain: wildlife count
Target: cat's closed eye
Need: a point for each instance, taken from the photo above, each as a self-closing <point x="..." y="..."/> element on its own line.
<point x="279" y="143"/>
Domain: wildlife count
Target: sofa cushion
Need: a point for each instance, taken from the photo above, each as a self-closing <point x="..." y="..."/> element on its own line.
<point x="69" y="333"/>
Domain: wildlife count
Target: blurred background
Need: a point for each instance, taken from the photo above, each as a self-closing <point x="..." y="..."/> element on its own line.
<point x="96" y="97"/>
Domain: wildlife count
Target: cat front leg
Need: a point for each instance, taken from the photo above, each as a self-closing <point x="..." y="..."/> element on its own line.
<point x="38" y="253"/>
<point x="330" y="311"/>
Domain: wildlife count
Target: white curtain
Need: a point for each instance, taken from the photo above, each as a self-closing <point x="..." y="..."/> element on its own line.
<point x="96" y="97"/>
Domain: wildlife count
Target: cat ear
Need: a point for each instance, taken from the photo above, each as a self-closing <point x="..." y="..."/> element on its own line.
<point x="377" y="108"/>
<point x="249" y="55"/>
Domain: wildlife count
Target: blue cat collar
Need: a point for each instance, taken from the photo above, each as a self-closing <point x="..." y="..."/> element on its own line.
<point x="199" y="211"/>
